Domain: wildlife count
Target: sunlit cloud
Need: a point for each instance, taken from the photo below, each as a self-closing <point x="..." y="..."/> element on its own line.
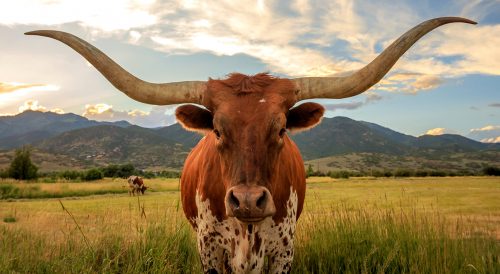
<point x="485" y="128"/>
<point x="305" y="38"/>
<point x="157" y="116"/>
<point x="8" y="87"/>
<point x="409" y="82"/>
<point x="491" y="140"/>
<point x="58" y="111"/>
<point x="34" y="105"/>
<point x="102" y="15"/>
<point x="292" y="44"/>
<point x="485" y="134"/>
<point x="134" y="36"/>
<point x="436" y="131"/>
<point x="286" y="50"/>
<point x="138" y="113"/>
<point x="103" y="110"/>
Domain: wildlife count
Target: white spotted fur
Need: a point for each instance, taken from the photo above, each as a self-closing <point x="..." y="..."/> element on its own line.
<point x="215" y="239"/>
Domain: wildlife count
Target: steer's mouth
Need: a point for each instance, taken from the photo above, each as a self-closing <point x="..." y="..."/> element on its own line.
<point x="249" y="204"/>
<point x="251" y="220"/>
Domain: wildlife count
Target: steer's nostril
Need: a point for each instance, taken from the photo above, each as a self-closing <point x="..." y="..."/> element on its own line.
<point x="233" y="200"/>
<point x="261" y="202"/>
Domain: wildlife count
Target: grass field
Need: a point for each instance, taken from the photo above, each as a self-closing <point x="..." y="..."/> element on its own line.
<point x="361" y="225"/>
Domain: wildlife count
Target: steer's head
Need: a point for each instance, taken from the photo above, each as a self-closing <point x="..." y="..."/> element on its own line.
<point x="246" y="117"/>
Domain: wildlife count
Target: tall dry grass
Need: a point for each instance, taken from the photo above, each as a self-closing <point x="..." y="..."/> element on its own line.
<point x="348" y="226"/>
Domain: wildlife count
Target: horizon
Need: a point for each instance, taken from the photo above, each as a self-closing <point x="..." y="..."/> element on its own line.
<point x="175" y="122"/>
<point x="448" y="82"/>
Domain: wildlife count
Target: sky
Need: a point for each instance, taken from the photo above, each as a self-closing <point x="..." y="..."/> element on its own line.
<point x="448" y="82"/>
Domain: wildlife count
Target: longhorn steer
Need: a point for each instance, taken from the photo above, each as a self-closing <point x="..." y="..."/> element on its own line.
<point x="243" y="185"/>
<point x="136" y="184"/>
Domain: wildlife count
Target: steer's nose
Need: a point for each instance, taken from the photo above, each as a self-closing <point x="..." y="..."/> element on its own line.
<point x="249" y="203"/>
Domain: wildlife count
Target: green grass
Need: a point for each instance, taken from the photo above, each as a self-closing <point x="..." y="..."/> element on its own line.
<point x="445" y="225"/>
<point x="156" y="251"/>
<point x="11" y="189"/>
<point x="353" y="239"/>
<point x="9" y="219"/>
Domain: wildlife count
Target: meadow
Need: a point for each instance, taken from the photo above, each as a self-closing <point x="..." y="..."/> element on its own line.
<point x="357" y="225"/>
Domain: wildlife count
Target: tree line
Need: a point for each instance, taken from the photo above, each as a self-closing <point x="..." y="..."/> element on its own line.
<point x="22" y="168"/>
<point x="345" y="174"/>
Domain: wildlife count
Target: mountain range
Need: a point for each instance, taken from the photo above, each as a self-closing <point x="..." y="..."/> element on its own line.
<point x="77" y="142"/>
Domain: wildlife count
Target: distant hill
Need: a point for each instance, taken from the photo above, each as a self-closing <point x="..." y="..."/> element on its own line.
<point x="80" y="142"/>
<point x="109" y="144"/>
<point x="342" y="135"/>
<point x="33" y="126"/>
<point x="179" y="135"/>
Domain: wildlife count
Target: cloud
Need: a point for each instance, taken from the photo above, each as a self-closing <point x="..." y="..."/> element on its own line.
<point x="349" y="106"/>
<point x="487" y="134"/>
<point x="157" y="116"/>
<point x="485" y="128"/>
<point x="495" y="105"/>
<point x="98" y="110"/>
<point x="331" y="38"/>
<point x="491" y="140"/>
<point x="436" y="131"/>
<point x="34" y="105"/>
<point x="409" y="82"/>
<point x="370" y="97"/>
<point x="8" y="87"/>
<point x="58" y="111"/>
<point x="306" y="38"/>
<point x="102" y="15"/>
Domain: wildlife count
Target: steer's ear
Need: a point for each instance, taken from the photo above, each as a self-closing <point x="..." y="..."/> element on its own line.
<point x="194" y="118"/>
<point x="304" y="116"/>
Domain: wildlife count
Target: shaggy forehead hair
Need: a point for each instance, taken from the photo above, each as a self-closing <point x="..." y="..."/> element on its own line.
<point x="242" y="83"/>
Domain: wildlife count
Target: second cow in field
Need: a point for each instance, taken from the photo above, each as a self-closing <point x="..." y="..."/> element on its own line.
<point x="136" y="184"/>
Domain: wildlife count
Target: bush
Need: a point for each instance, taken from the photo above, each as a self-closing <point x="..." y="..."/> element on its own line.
<point x="70" y="175"/>
<point x="402" y="173"/>
<point x="8" y="191"/>
<point x="21" y="167"/>
<point x="93" y="174"/>
<point x="9" y="219"/>
<point x="491" y="171"/>
<point x="309" y="171"/>
<point x="4" y="174"/>
<point x="421" y="173"/>
<point x="119" y="171"/>
<point x="437" y="173"/>
<point x="170" y="174"/>
<point x="343" y="174"/>
<point x="381" y="173"/>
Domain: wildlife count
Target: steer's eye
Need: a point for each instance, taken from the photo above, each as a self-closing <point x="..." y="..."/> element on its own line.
<point x="217" y="133"/>
<point x="282" y="132"/>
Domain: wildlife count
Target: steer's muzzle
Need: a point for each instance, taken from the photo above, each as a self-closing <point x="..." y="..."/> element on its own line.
<point x="249" y="203"/>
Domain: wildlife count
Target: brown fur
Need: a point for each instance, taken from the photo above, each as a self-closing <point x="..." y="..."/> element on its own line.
<point x="248" y="115"/>
<point x="297" y="121"/>
<point x="241" y="83"/>
<point x="194" y="118"/>
<point x="136" y="184"/>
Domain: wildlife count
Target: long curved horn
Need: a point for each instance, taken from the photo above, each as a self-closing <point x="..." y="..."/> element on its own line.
<point x="363" y="79"/>
<point x="135" y="88"/>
